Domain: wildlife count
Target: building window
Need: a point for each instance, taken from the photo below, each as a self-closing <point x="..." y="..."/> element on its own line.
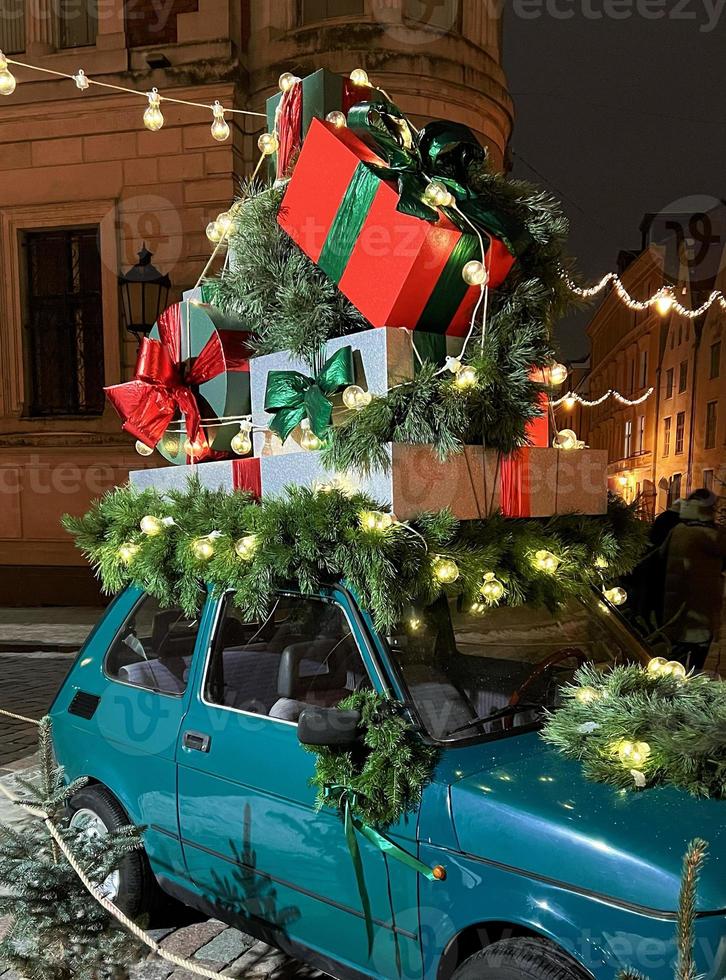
<point x="641" y="433"/>
<point x="144" y="30"/>
<point x="78" y="23"/>
<point x="680" y="431"/>
<point x="632" y="376"/>
<point x="670" y="382"/>
<point x="12" y="27"/>
<point x="64" y="323"/>
<point x="715" y="360"/>
<point x="627" y="447"/>
<point x="313" y="11"/>
<point x="710" y="437"/>
<point x="643" y="368"/>
<point x="674" y="489"/>
<point x="708" y="480"/>
<point x="683" y="376"/>
<point x="667" y="436"/>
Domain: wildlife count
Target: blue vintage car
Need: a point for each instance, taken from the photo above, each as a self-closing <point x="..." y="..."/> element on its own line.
<point x="190" y="729"/>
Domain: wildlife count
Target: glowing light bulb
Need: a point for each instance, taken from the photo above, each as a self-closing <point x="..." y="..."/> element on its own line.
<point x="478" y="608"/>
<point x="287" y="81"/>
<point x="656" y="665"/>
<point x="492" y="589"/>
<point x="242" y="442"/>
<point x="81" y="80"/>
<point x="623" y="480"/>
<point x="127" y="552"/>
<point x="445" y="570"/>
<point x="246" y="547"/>
<point x="672" y="668"/>
<point x="616" y="596"/>
<point x="153" y="118"/>
<point x="268" y="144"/>
<point x="545" y="561"/>
<point x="474" y="273"/>
<point x="337" y="118"/>
<point x="142" y="449"/>
<point x="569" y="402"/>
<point x="453" y="364"/>
<point x="151" y="525"/>
<point x="225" y="223"/>
<point x="171" y="444"/>
<point x="565" y="439"/>
<point x="359" y="77"/>
<point x="414" y="624"/>
<point x="203" y="548"/>
<point x="194" y="449"/>
<point x="309" y="440"/>
<point x="633" y="754"/>
<point x="557" y="374"/>
<point x="220" y="128"/>
<point x="601" y="562"/>
<point x="586" y="695"/>
<point x="8" y="81"/>
<point x="375" y="520"/>
<point x="466" y="377"/>
<point x="437" y="195"/>
<point x="664" y="302"/>
<point x="356" y="398"/>
<point x="213" y="233"/>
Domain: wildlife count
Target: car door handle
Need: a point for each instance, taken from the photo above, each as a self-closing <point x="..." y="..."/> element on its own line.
<point x="196" y="741"/>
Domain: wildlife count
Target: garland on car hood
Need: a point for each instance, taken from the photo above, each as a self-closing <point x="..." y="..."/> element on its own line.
<point x="635" y="727"/>
<point x="170" y="544"/>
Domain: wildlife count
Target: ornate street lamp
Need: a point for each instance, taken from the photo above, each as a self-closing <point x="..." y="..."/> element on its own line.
<point x="144" y="295"/>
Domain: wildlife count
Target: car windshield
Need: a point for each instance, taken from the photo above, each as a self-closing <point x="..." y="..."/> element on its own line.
<point x="471" y="674"/>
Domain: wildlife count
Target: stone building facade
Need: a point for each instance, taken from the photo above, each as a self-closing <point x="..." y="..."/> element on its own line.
<point x="83" y="185"/>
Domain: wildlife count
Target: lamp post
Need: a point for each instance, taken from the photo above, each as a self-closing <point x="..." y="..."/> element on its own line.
<point x="144" y="295"/>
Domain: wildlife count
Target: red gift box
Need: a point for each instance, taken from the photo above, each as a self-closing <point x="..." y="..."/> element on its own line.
<point x="398" y="270"/>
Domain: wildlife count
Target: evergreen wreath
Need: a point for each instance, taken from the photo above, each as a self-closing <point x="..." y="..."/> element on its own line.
<point x="677" y="727"/>
<point x="315" y="538"/>
<point x="385" y="778"/>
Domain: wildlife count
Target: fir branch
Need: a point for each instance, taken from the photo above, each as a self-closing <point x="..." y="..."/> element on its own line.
<point x="687" y="908"/>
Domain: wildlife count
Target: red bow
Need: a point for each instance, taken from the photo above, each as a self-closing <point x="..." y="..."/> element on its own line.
<point x="162" y="384"/>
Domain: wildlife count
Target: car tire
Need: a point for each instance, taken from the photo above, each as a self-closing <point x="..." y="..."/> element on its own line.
<point x="137" y="891"/>
<point x="519" y="959"/>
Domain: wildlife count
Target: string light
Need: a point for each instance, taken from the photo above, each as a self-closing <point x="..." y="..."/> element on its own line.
<point x="268" y="144"/>
<point x="309" y="440"/>
<point x="445" y="570"/>
<point x="355" y="398"/>
<point x="466" y="377"/>
<point x="586" y="694"/>
<point x="601" y="562"/>
<point x="660" y="667"/>
<point x="7" y="79"/>
<point x="571" y="398"/>
<point x="246" y="546"/>
<point x="287" y="81"/>
<point x="203" y="548"/>
<point x="337" y="118"/>
<point x="359" y="77"/>
<point x="545" y="561"/>
<point x="153" y="117"/>
<point x="81" y="80"/>
<point x="567" y="440"/>
<point x="220" y="128"/>
<point x="556" y="374"/>
<point x="142" y="449"/>
<point x="492" y="589"/>
<point x="664" y="300"/>
<point x="375" y="520"/>
<point x="474" y="273"/>
<point x="439" y="196"/>
<point x="241" y="444"/>
<point x="633" y="755"/>
<point x="616" y="596"/>
<point x="127" y="552"/>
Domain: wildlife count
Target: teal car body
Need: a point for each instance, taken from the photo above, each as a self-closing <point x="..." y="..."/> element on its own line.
<point x="529" y="847"/>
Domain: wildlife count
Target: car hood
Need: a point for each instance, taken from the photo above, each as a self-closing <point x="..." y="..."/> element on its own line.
<point x="519" y="803"/>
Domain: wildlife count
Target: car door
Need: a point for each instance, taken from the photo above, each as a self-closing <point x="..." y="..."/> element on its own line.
<point x="253" y="838"/>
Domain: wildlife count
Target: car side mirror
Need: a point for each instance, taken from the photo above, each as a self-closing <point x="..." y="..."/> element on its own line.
<point x="330" y="727"/>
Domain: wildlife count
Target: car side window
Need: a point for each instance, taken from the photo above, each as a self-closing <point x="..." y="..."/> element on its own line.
<point x="302" y="654"/>
<point x="154" y="648"/>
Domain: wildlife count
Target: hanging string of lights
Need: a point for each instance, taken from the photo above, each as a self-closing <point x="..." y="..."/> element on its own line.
<point x="572" y="398"/>
<point x="153" y="117"/>
<point x="664" y="300"/>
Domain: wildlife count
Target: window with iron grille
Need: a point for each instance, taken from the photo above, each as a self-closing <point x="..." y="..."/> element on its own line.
<point x="12" y="26"/>
<point x="64" y="322"/>
<point x="680" y="431"/>
<point x="78" y="23"/>
<point x="709" y="441"/>
<point x="667" y="435"/>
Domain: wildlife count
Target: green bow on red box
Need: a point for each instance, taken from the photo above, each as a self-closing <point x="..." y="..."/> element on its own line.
<point x="291" y="396"/>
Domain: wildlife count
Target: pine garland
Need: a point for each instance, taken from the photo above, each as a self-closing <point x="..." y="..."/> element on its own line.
<point x="682" y="723"/>
<point x="317" y="538"/>
<point x="385" y="780"/>
<point x="58" y="931"/>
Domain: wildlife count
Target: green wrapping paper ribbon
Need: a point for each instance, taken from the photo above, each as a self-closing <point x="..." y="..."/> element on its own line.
<point x="291" y="396"/>
<point x="353" y="826"/>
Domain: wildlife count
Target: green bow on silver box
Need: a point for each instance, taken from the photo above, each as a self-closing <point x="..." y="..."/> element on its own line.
<point x="291" y="396"/>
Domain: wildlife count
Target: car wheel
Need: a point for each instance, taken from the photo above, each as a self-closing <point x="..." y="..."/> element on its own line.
<point x="519" y="959"/>
<point x="132" y="888"/>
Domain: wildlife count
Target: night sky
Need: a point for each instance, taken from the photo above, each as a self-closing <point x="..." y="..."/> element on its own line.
<point x="618" y="118"/>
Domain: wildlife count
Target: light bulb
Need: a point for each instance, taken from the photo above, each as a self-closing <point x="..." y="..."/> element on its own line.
<point x="359" y="77"/>
<point x="478" y="608"/>
<point x="81" y="80"/>
<point x="309" y="440"/>
<point x="453" y="364"/>
<point x="445" y="570"/>
<point x="242" y="442"/>
<point x="586" y="695"/>
<point x="375" y="520"/>
<point x="545" y="561"/>
<point x="356" y="398"/>
<point x="601" y="562"/>
<point x="437" y="194"/>
<point x="142" y="449"/>
<point x="171" y="444"/>
<point x="616" y="596"/>
<point x="220" y="128"/>
<point x="623" y="481"/>
<point x="466" y="377"/>
<point x="151" y="525"/>
<point x="203" y="548"/>
<point x="557" y="374"/>
<point x="213" y="233"/>
<point x="474" y="273"/>
<point x="8" y="82"/>
<point x="565" y="439"/>
<point x="127" y="552"/>
<point x="225" y="223"/>
<point x="656" y="665"/>
<point x="492" y="589"/>
<point x="569" y="403"/>
<point x="194" y="449"/>
<point x="246" y="547"/>
<point x="337" y="118"/>
<point x="633" y="754"/>
<point x="672" y="668"/>
<point x="268" y="144"/>
<point x="664" y="303"/>
<point x="287" y="81"/>
<point x="153" y="118"/>
<point x="414" y="624"/>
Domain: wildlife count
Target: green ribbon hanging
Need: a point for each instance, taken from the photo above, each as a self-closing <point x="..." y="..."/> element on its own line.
<point x="291" y="396"/>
